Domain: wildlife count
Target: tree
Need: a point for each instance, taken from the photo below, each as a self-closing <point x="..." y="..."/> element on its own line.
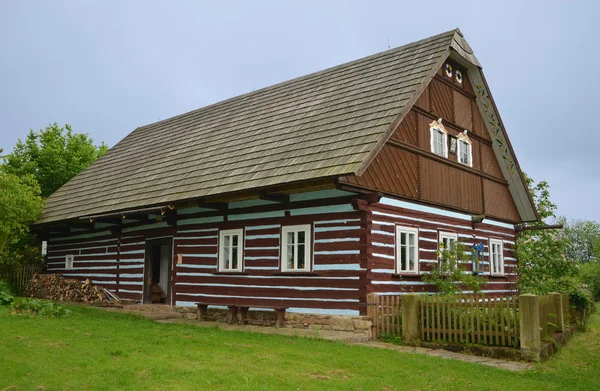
<point x="52" y="156"/>
<point x="543" y="267"/>
<point x="583" y="237"/>
<point x="20" y="204"/>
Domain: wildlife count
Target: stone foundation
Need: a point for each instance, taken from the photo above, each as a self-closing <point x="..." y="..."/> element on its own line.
<point x="355" y="324"/>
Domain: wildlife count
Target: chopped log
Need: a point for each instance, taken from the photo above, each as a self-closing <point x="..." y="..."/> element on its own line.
<point x="58" y="288"/>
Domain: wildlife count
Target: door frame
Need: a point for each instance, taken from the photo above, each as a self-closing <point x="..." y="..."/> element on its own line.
<point x="147" y="287"/>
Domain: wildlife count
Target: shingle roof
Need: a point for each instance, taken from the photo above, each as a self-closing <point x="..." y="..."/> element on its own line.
<point x="321" y="125"/>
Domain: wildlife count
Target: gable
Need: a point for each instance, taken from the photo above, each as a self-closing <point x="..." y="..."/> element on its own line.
<point x="406" y="167"/>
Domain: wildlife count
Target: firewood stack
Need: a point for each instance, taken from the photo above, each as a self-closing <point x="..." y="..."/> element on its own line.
<point x="56" y="287"/>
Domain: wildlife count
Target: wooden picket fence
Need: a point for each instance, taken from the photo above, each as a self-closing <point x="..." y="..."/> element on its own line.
<point x="386" y="314"/>
<point x="489" y="320"/>
<point x="18" y="275"/>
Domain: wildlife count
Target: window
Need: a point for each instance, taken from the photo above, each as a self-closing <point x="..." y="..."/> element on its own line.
<point x="295" y="248"/>
<point x="69" y="261"/>
<point x="439" y="138"/>
<point x="231" y="250"/>
<point x="496" y="257"/>
<point x="465" y="154"/>
<point x="407" y="250"/>
<point x="44" y="249"/>
<point x="448" y="240"/>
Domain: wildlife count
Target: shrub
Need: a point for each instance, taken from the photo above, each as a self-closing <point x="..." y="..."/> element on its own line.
<point x="450" y="276"/>
<point x="25" y="305"/>
<point x="6" y="296"/>
<point x="582" y="303"/>
<point x="590" y="275"/>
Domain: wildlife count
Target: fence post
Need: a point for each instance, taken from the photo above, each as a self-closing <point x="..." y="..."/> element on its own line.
<point x="371" y="303"/>
<point x="411" y="318"/>
<point x="529" y="308"/>
<point x="566" y="309"/>
<point x="557" y="309"/>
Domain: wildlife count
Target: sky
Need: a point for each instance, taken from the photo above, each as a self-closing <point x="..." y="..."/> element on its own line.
<point x="107" y="67"/>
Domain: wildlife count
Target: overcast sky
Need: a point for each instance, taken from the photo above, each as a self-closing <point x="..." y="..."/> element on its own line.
<point x="108" y="67"/>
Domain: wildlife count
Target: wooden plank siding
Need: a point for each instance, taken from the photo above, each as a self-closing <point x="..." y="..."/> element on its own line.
<point x="387" y="214"/>
<point x="407" y="168"/>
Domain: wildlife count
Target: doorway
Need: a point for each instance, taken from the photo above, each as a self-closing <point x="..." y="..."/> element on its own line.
<point x="158" y="263"/>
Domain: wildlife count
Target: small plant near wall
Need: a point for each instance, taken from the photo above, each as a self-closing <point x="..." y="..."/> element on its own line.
<point x="6" y="296"/>
<point x="33" y="307"/>
<point x="451" y="276"/>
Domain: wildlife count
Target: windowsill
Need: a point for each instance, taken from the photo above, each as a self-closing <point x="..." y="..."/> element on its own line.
<point x="225" y="272"/>
<point x="298" y="273"/>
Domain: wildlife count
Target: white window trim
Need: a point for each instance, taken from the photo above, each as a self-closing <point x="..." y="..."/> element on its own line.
<point x="240" y="255"/>
<point x="459" y="152"/>
<point x="408" y="230"/>
<point x="434" y="127"/>
<point x="69" y="261"/>
<point x="500" y="257"/>
<point x="447" y="235"/>
<point x="307" y="247"/>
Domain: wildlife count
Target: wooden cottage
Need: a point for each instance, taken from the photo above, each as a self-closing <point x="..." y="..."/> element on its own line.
<point x="309" y="194"/>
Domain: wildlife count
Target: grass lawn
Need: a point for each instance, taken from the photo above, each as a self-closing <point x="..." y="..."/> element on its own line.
<point x="97" y="350"/>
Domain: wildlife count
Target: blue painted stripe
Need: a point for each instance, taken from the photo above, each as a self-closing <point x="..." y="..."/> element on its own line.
<point x="299" y="288"/>
<point x="349" y="266"/>
<point x="441" y="212"/>
<point x="196" y="230"/>
<point x="320" y="194"/>
<point x="269" y="236"/>
<point x="274" y="298"/>
<point x="330" y="229"/>
<point x="322" y="210"/>
<point x="335" y="221"/>
<point x="162" y="224"/>
<point x="251" y="216"/>
<point x="259" y="227"/>
<point x="383" y="256"/>
<point x="257" y="258"/>
<point x="200" y="220"/>
<point x="337" y="240"/>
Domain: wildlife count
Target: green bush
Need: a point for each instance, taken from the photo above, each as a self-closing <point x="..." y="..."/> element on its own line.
<point x="25" y="305"/>
<point x="6" y="296"/>
<point x="581" y="300"/>
<point x="590" y="275"/>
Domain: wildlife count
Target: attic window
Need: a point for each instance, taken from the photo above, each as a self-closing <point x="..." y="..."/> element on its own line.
<point x="439" y="138"/>
<point x="465" y="150"/>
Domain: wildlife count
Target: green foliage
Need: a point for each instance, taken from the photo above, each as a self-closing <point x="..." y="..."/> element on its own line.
<point x="6" y="296"/>
<point x="582" y="302"/>
<point x="450" y="277"/>
<point x="33" y="307"/>
<point x="589" y="273"/>
<point x="583" y="239"/>
<point x="543" y="267"/>
<point x="53" y="156"/>
<point x="20" y="204"/>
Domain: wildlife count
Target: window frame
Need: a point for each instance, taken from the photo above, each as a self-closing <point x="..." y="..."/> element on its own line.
<point x="407" y="230"/>
<point x="491" y="260"/>
<point x="308" y="261"/>
<point x="69" y="261"/>
<point x="436" y="126"/>
<point x="221" y="250"/>
<point x="459" y="147"/>
<point x="446" y="235"/>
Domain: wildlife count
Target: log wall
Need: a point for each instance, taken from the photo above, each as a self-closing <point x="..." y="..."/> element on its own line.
<point x="381" y="265"/>
<point x="336" y="283"/>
